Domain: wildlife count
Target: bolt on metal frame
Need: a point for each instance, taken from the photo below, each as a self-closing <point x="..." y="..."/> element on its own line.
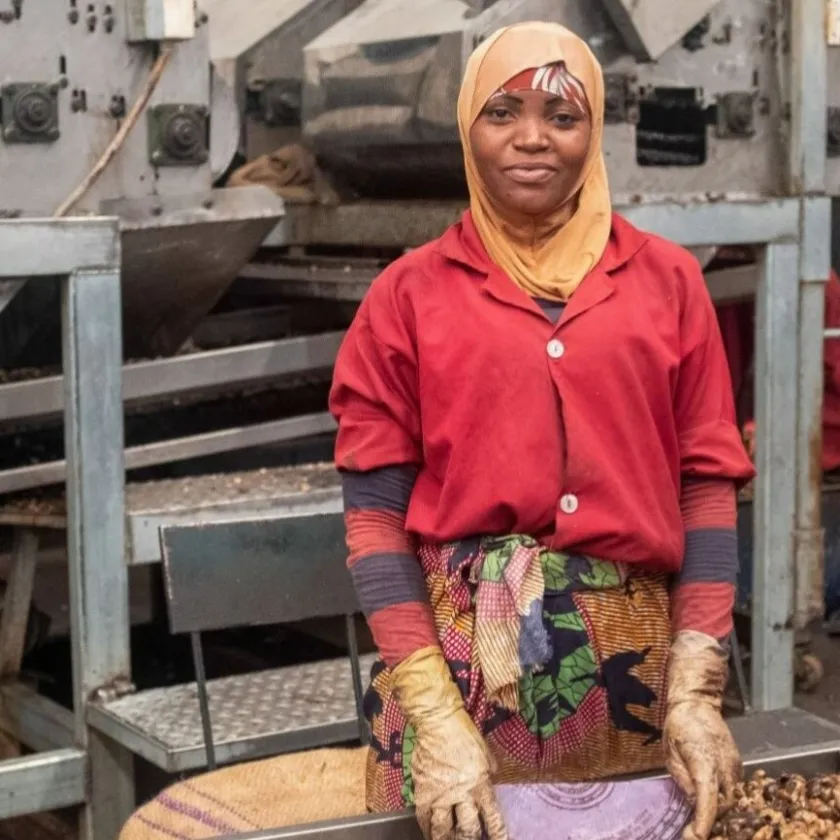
<point x="94" y="773"/>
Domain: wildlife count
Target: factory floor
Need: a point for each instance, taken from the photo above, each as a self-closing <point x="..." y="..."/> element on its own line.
<point x="825" y="700"/>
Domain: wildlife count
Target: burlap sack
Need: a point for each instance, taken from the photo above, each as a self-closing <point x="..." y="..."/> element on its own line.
<point x="287" y="790"/>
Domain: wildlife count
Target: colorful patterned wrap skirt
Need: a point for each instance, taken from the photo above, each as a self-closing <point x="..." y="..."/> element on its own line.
<point x="593" y="706"/>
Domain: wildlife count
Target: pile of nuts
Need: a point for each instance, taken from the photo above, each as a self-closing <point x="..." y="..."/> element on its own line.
<point x="788" y="808"/>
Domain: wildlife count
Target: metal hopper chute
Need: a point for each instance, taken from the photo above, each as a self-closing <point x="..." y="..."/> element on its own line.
<point x="108" y="111"/>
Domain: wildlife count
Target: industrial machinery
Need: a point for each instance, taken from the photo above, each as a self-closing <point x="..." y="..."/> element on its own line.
<point x="710" y="104"/>
<point x="697" y="102"/>
<point x="113" y="108"/>
<point x="258" y="54"/>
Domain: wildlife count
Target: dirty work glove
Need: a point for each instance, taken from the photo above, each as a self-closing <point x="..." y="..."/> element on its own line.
<point x="700" y="752"/>
<point x="450" y="765"/>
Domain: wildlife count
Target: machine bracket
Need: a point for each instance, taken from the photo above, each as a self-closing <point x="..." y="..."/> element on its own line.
<point x="735" y="115"/>
<point x="179" y="135"/>
<point x="29" y="112"/>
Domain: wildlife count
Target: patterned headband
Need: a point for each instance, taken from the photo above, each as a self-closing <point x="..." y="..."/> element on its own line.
<point x="552" y="78"/>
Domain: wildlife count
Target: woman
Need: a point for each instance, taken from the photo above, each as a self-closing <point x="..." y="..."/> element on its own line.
<point x="536" y="436"/>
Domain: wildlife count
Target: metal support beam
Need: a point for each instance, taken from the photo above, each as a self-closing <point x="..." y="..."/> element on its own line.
<point x="718" y="224"/>
<point x="809" y="97"/>
<point x="72" y="243"/>
<point x="777" y="317"/>
<point x="806" y="177"/>
<point x="93" y="436"/>
<point x="184" y="374"/>
<point x="36" y="721"/>
<point x="181" y="449"/>
<point x="388" y="224"/>
<point x="43" y="782"/>
<point x="17" y="601"/>
<point x="92" y="357"/>
<point x="814" y="267"/>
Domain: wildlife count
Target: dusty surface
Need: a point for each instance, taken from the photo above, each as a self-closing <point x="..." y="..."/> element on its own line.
<point x="185" y="493"/>
<point x="825" y="701"/>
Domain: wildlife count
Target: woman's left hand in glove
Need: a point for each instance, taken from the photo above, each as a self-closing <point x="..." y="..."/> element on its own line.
<point x="700" y="752"/>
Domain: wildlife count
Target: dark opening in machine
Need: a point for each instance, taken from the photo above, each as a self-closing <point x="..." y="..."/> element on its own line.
<point x="672" y="127"/>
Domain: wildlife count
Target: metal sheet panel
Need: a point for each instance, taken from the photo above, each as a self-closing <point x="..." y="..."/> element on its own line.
<point x="144" y="528"/>
<point x="279" y="569"/>
<point x="51" y="44"/>
<point x="650" y="27"/>
<point x="179" y="257"/>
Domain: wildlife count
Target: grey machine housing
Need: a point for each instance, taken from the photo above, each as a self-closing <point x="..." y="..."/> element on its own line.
<point x="695" y="104"/>
<point x="69" y="73"/>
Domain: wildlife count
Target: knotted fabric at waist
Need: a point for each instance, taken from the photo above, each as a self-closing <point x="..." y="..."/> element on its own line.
<point x="509" y="578"/>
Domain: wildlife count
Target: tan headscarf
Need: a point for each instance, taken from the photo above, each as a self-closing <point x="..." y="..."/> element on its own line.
<point x="547" y="257"/>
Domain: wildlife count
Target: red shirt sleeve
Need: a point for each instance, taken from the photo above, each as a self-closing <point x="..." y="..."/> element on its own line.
<point x="704" y="407"/>
<point x="374" y="394"/>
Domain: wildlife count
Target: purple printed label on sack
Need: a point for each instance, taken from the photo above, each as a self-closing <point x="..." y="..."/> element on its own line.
<point x="643" y="809"/>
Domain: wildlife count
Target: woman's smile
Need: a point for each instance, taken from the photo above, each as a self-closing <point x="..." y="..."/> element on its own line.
<point x="531" y="173"/>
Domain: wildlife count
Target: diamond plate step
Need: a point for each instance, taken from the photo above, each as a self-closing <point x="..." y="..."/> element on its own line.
<point x="254" y="715"/>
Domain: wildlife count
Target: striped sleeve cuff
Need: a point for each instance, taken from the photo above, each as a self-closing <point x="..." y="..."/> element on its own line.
<point x="383" y="561"/>
<point x="704" y="595"/>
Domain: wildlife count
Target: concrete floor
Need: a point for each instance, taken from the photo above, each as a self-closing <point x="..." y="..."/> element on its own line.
<point x="825" y="700"/>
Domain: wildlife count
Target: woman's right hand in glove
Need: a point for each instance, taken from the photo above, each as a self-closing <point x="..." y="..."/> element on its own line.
<point x="450" y="766"/>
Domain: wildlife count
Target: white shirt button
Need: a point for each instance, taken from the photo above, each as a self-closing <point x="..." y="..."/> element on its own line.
<point x="555" y="348"/>
<point x="569" y="503"/>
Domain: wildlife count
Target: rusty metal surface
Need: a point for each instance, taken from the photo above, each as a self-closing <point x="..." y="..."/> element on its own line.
<point x="270" y="571"/>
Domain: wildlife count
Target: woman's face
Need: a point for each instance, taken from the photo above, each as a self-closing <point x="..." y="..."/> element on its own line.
<point x="529" y="148"/>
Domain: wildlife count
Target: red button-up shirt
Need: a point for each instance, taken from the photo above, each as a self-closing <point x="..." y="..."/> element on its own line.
<point x="578" y="433"/>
